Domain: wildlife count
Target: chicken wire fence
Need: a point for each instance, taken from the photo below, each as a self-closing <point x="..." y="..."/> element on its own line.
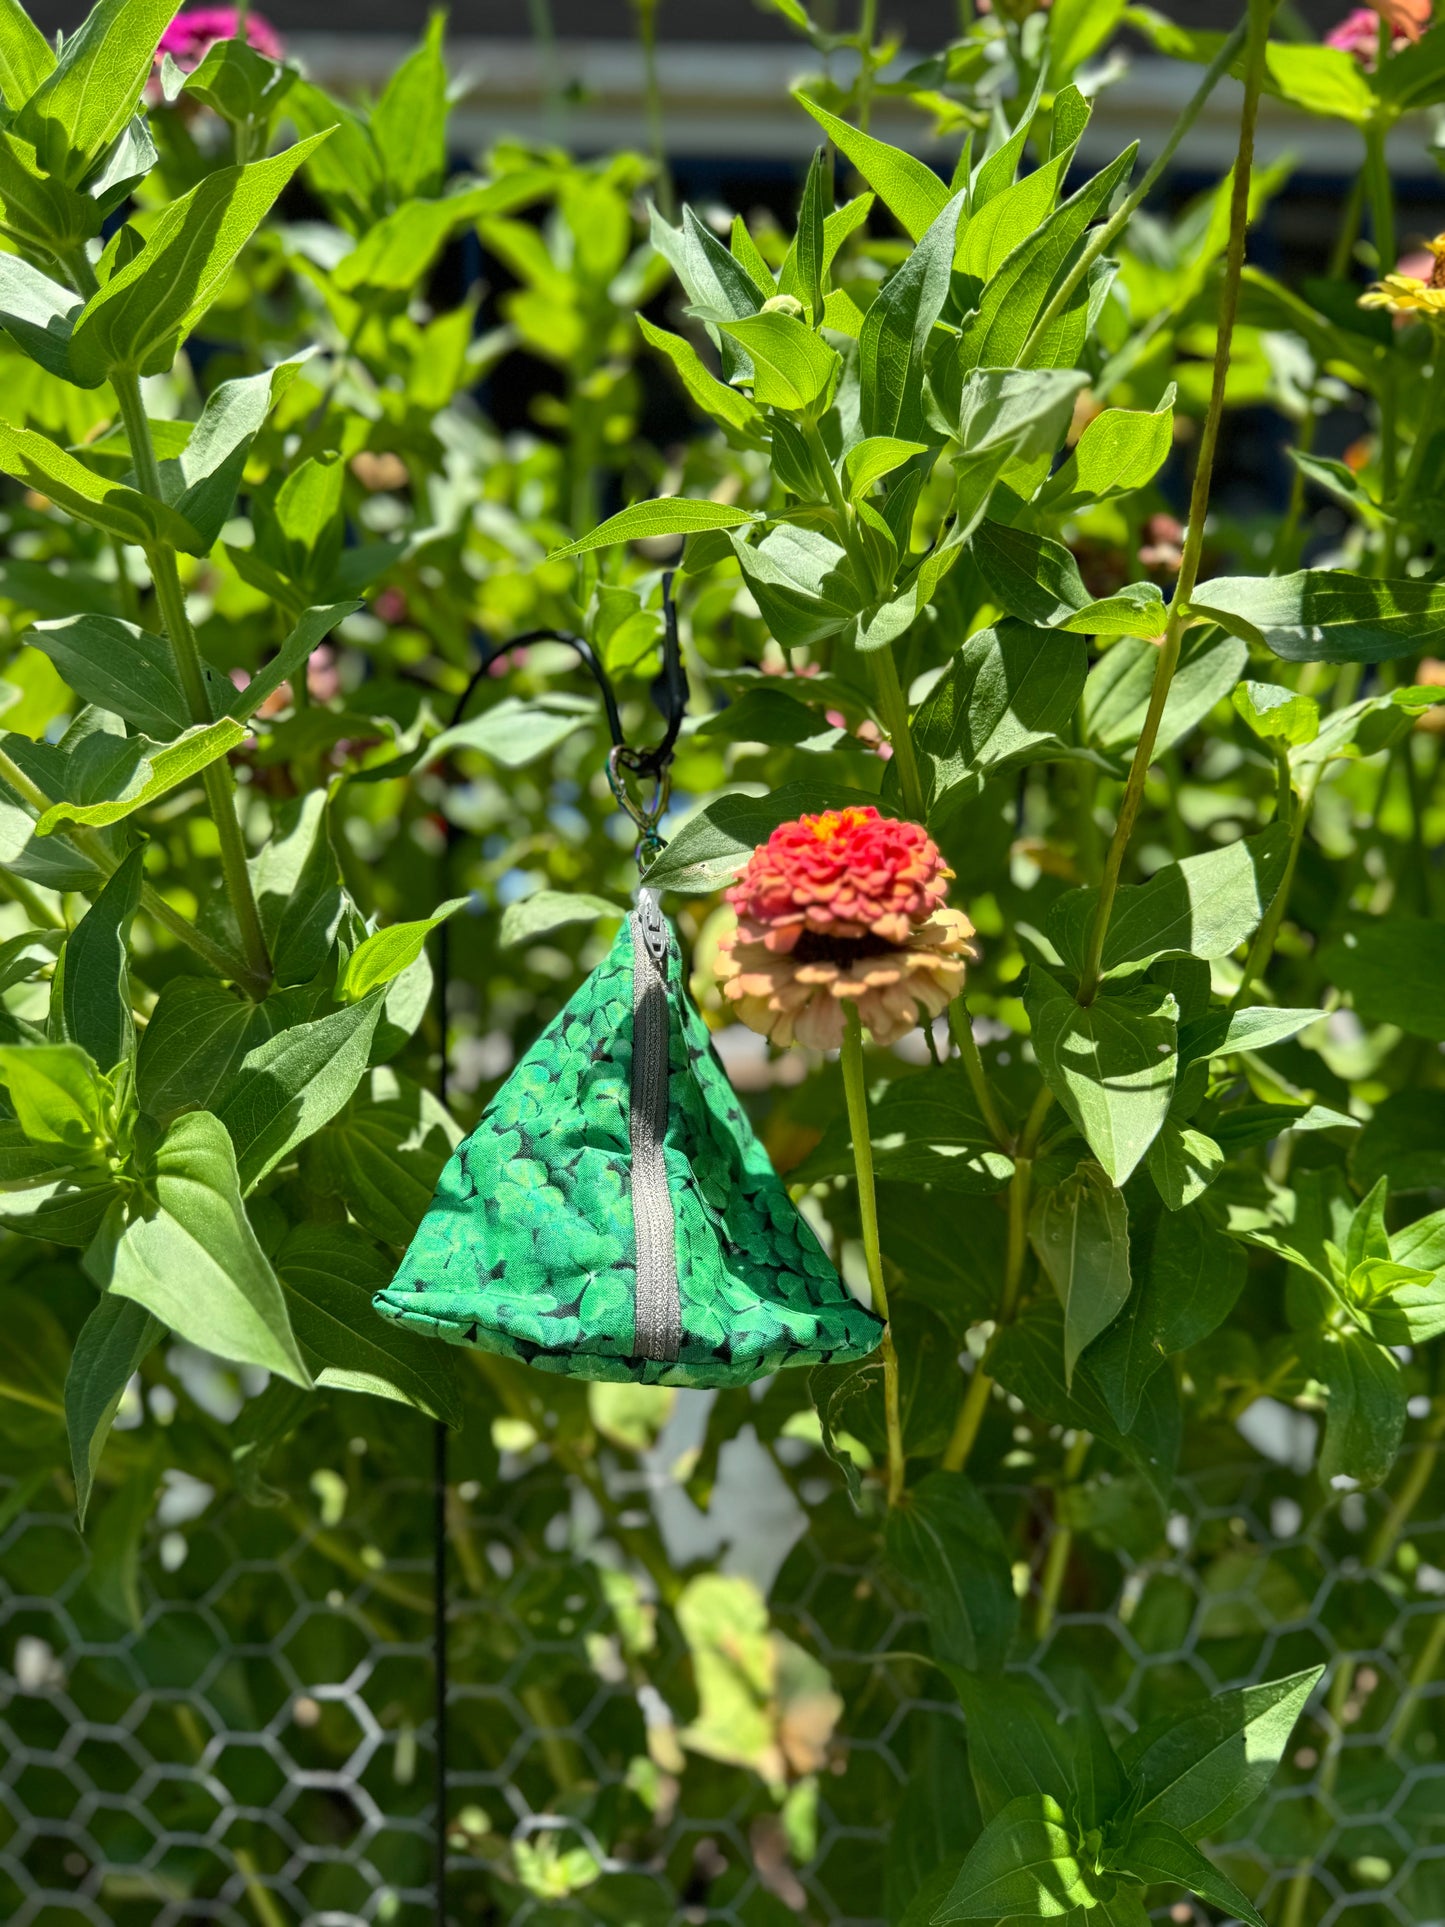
<point x="239" y="1728"/>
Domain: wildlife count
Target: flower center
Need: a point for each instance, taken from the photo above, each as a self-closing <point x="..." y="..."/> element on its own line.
<point x="813" y="947"/>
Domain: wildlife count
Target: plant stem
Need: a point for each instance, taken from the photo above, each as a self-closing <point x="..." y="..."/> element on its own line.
<point x="1429" y="414"/>
<point x="975" y="1401"/>
<point x="961" y="1031"/>
<point x="867" y="34"/>
<point x="1382" y="219"/>
<point x="39" y="913"/>
<point x="894" y="706"/>
<point x="1062" y="1543"/>
<point x="1111" y="230"/>
<point x="1421" y="1674"/>
<point x="220" y="783"/>
<point x="856" y="1092"/>
<point x="1262" y="948"/>
<point x="1259" y="17"/>
<point x="656" y="137"/>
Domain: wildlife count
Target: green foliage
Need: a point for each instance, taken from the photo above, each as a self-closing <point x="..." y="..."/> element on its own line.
<point x="1176" y="1175"/>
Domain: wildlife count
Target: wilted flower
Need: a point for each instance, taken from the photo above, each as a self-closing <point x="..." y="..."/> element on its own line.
<point x="1409" y="294"/>
<point x="192" y="34"/>
<point x="1359" y="32"/>
<point x="847" y="906"/>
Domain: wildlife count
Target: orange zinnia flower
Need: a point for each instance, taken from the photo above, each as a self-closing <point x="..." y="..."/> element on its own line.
<point x="844" y="906"/>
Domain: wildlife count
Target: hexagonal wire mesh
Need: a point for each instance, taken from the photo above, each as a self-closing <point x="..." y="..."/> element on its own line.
<point x="256" y="1746"/>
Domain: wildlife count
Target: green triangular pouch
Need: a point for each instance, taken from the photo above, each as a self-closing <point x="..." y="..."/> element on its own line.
<point x="614" y="1217"/>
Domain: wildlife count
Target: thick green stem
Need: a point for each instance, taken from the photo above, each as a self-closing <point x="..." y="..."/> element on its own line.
<point x="220" y="784"/>
<point x="1062" y="1544"/>
<point x="962" y="1033"/>
<point x="893" y="706"/>
<point x="856" y="1092"/>
<point x="1259" y="17"/>
<point x="1106" y="236"/>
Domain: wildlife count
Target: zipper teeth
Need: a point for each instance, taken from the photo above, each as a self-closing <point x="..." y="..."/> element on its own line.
<point x="658" y="1318"/>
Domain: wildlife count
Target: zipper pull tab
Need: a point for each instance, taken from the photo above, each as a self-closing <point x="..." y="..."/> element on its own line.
<point x="653" y="925"/>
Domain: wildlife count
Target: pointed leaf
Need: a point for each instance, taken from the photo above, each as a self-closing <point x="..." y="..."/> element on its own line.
<point x="1110" y="1064"/>
<point x="1160" y="1854"/>
<point x="95" y="994"/>
<point x="1024" y="1862"/>
<point x="912" y="191"/>
<point x="944" y="1541"/>
<point x="1080" y="1230"/>
<point x="670" y="515"/>
<point x="1200" y="1768"/>
<point x="113" y="1340"/>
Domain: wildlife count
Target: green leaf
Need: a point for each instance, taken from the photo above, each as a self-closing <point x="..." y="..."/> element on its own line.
<point x="1365" y="728"/>
<point x="290" y="659"/>
<point x="201" y="482"/>
<point x="1183" y="1164"/>
<point x="1110" y="1064"/>
<point x="298" y="891"/>
<point x="924" y="1130"/>
<point x="670" y="515"/>
<point x="37" y="313"/>
<point x="1161" y="1855"/>
<point x="1121" y="450"/>
<point x="286" y="1088"/>
<point x="1365" y="1416"/>
<point x="943" y="1540"/>
<point x="802" y="582"/>
<point x="329" y="1273"/>
<point x="1187" y="1278"/>
<point x="1025" y="1863"/>
<point x="26" y="56"/>
<point x="1007" y="698"/>
<point x="112" y="1342"/>
<point x="1392" y="973"/>
<point x="803" y="271"/>
<point x="833" y="1390"/>
<point x="1000" y="222"/>
<point x="714" y="844"/>
<point x="870" y="460"/>
<point x="385" y="1155"/>
<point x="1080" y="1230"/>
<point x="1196" y="1770"/>
<point x="726" y="406"/>
<point x="409" y="122"/>
<point x="35" y="460"/>
<point x="196" y="1033"/>
<point x="187" y="1253"/>
<point x="1116" y="696"/>
<point x="1325" y="615"/>
<point x="383" y="955"/>
<point x="396" y="253"/>
<point x="1103" y="1786"/>
<point x="1276" y="714"/>
<point x="1017" y="1748"/>
<point x="89" y="94"/>
<point x="547" y="910"/>
<point x="51" y="1192"/>
<point x="138" y="319"/>
<point x="118" y="666"/>
<point x="996" y="336"/>
<point x="56" y="1093"/>
<point x="37" y="210"/>
<point x="906" y="186"/>
<point x="516" y="731"/>
<point x="1031" y="576"/>
<point x="135" y="771"/>
<point x="95" y="994"/>
<point x="1202" y="906"/>
<point x="897" y="328"/>
<point x="1026" y="410"/>
<point x="792" y="367"/>
<point x="239" y="84"/>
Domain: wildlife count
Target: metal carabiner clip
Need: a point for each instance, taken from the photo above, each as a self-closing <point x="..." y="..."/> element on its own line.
<point x="646" y="815"/>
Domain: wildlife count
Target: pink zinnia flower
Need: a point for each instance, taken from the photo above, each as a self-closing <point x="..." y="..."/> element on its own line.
<point x="192" y="34"/>
<point x="844" y="907"/>
<point x="1359" y="32"/>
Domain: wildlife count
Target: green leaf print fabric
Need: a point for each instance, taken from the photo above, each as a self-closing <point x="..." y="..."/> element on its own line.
<point x="535" y="1247"/>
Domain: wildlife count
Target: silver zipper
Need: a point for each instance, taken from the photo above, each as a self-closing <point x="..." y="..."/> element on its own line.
<point x="658" y="1314"/>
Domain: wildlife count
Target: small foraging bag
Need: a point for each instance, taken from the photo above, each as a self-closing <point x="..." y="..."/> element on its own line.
<point x="613" y="1215"/>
